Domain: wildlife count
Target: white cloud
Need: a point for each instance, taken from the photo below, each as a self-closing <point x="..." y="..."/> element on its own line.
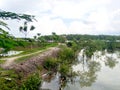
<point x="100" y="20"/>
<point x="76" y="10"/>
<point x="80" y="28"/>
<point x="87" y="16"/>
<point x="46" y="25"/>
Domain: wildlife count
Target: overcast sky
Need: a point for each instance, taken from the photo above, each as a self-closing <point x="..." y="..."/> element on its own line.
<point x="67" y="16"/>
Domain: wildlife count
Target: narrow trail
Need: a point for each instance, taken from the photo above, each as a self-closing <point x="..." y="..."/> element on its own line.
<point x="10" y="61"/>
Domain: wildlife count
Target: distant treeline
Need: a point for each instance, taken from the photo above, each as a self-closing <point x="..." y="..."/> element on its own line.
<point x="92" y="37"/>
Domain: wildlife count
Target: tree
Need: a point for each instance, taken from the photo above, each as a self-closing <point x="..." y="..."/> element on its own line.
<point x="54" y="36"/>
<point x="6" y="40"/>
<point x="10" y="15"/>
<point x="24" y="29"/>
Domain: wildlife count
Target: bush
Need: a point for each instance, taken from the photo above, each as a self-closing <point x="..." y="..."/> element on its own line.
<point x="50" y="64"/>
<point x="67" y="55"/>
<point x="8" y="80"/>
<point x="31" y="83"/>
<point x="7" y="84"/>
<point x="64" y="69"/>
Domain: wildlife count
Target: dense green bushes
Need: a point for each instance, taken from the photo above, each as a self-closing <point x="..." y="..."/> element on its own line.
<point x="8" y="80"/>
<point x="66" y="55"/>
<point x="62" y="64"/>
<point x="64" y="69"/>
<point x="32" y="82"/>
<point x="51" y="64"/>
<point x="7" y="84"/>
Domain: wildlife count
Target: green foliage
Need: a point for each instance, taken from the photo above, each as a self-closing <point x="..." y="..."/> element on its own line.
<point x="4" y="24"/>
<point x="6" y="84"/>
<point x="39" y="50"/>
<point x="74" y="45"/>
<point x="98" y="42"/>
<point x="51" y="64"/>
<point x="67" y="55"/>
<point x="24" y="29"/>
<point x="91" y="37"/>
<point x="9" y="42"/>
<point x="64" y="69"/>
<point x="69" y="44"/>
<point x="10" y="15"/>
<point x="91" y="46"/>
<point x="54" y="37"/>
<point x="61" y="39"/>
<point x="111" y="46"/>
<point x="2" y="61"/>
<point x="6" y="40"/>
<point x="8" y="80"/>
<point x="32" y="82"/>
<point x="110" y="62"/>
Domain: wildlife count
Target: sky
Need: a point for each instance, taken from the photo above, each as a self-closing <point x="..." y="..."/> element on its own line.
<point x="66" y="16"/>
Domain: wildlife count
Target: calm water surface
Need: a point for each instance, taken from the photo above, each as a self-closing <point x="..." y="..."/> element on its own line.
<point x="101" y="72"/>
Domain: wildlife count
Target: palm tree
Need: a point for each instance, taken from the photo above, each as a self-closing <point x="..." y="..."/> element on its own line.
<point x="24" y="29"/>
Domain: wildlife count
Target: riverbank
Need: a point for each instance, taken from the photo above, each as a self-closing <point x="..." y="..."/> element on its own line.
<point x="18" y="73"/>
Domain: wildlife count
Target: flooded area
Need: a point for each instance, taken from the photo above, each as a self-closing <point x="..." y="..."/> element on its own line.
<point x="101" y="72"/>
<point x="10" y="53"/>
<point x="51" y="83"/>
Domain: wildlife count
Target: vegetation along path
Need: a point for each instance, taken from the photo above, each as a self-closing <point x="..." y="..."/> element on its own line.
<point x="10" y="60"/>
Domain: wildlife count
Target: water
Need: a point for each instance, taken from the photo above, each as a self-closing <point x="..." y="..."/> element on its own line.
<point x="52" y="83"/>
<point x="10" y="53"/>
<point x="101" y="72"/>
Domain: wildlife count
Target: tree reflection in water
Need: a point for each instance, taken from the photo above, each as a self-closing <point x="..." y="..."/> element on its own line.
<point x="111" y="62"/>
<point x="87" y="77"/>
<point x="87" y="70"/>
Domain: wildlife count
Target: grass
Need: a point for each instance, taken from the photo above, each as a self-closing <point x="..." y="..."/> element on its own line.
<point x="8" y="79"/>
<point x="28" y="50"/>
<point x="39" y="48"/>
<point x="2" y="61"/>
<point x="22" y="59"/>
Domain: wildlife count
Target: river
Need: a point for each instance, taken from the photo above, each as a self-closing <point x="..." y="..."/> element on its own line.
<point x="101" y="72"/>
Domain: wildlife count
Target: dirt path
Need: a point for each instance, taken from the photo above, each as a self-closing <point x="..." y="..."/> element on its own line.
<point x="10" y="61"/>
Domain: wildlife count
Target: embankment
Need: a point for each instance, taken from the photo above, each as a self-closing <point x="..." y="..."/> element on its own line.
<point x="31" y="65"/>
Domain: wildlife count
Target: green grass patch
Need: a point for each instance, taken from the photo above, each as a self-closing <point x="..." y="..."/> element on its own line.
<point x="22" y="59"/>
<point x="2" y="61"/>
<point x="47" y="45"/>
<point x="8" y="79"/>
<point x="29" y="51"/>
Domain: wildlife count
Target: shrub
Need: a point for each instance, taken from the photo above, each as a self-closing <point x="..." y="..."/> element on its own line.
<point x="8" y="80"/>
<point x="7" y="84"/>
<point x="67" y="55"/>
<point x="50" y="64"/>
<point x="31" y="83"/>
<point x="64" y="69"/>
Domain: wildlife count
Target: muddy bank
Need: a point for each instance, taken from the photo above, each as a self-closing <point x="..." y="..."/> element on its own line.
<point x="35" y="62"/>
